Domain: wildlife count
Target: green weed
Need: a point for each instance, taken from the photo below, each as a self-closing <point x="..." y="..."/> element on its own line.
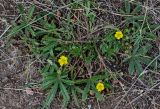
<point x="50" y="35"/>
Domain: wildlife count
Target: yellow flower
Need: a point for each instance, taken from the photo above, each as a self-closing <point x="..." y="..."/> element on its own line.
<point x="100" y="86"/>
<point x="118" y="35"/>
<point x="63" y="60"/>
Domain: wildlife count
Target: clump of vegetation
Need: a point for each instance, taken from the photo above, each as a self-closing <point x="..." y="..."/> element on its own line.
<point x="76" y="57"/>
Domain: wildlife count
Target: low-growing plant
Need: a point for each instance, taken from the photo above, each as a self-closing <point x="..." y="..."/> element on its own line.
<point x="139" y="37"/>
<point x="74" y="56"/>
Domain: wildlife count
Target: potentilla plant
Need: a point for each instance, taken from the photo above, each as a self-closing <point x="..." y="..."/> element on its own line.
<point x="67" y="68"/>
<point x="77" y="62"/>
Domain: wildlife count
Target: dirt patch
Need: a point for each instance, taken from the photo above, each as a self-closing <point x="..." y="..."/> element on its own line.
<point x="8" y="14"/>
<point x="14" y="79"/>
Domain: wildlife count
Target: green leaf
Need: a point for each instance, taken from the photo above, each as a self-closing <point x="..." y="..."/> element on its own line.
<point x="78" y="89"/>
<point x="29" y="28"/>
<point x="135" y="24"/>
<point x="127" y="7"/>
<point x="135" y="49"/>
<point x="86" y="90"/>
<point x="131" y="66"/>
<point x="140" y="17"/>
<point x="64" y="92"/>
<point x="48" y="84"/>
<point x="64" y="104"/>
<point x="81" y="81"/>
<point x="97" y="77"/>
<point x="146" y="60"/>
<point x="75" y="97"/>
<point x="104" y="47"/>
<point x="68" y="82"/>
<point x="138" y="66"/>
<point x="30" y="11"/>
<point x="51" y="96"/>
<point x="17" y="29"/>
<point x="108" y="85"/>
<point x="45" y="70"/>
<point x="137" y="9"/>
<point x="144" y="49"/>
<point x="76" y="50"/>
<point x="21" y="8"/>
<point x="49" y="77"/>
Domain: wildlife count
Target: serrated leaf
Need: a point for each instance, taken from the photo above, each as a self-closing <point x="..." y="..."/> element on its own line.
<point x="127" y="7"/>
<point x="108" y="85"/>
<point x="29" y="28"/>
<point x="145" y="60"/>
<point x="137" y="9"/>
<point x="69" y="82"/>
<point x="30" y="11"/>
<point x="48" y="84"/>
<point x="81" y="81"/>
<point x="140" y="17"/>
<point x="49" y="77"/>
<point x="17" y="29"/>
<point x="86" y="90"/>
<point x="104" y="47"/>
<point x="75" y="97"/>
<point x="78" y="89"/>
<point x="136" y="25"/>
<point x="138" y="66"/>
<point x="131" y="67"/>
<point x="97" y="77"/>
<point x="21" y="8"/>
<point x="51" y="96"/>
<point x="135" y="49"/>
<point x="64" y="92"/>
<point x="45" y="70"/>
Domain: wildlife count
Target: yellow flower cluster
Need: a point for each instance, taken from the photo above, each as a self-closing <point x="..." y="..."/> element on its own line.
<point x="63" y="60"/>
<point x="100" y="87"/>
<point x="118" y="35"/>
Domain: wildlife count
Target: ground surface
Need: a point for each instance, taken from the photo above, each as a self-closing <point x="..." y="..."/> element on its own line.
<point x="18" y="71"/>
